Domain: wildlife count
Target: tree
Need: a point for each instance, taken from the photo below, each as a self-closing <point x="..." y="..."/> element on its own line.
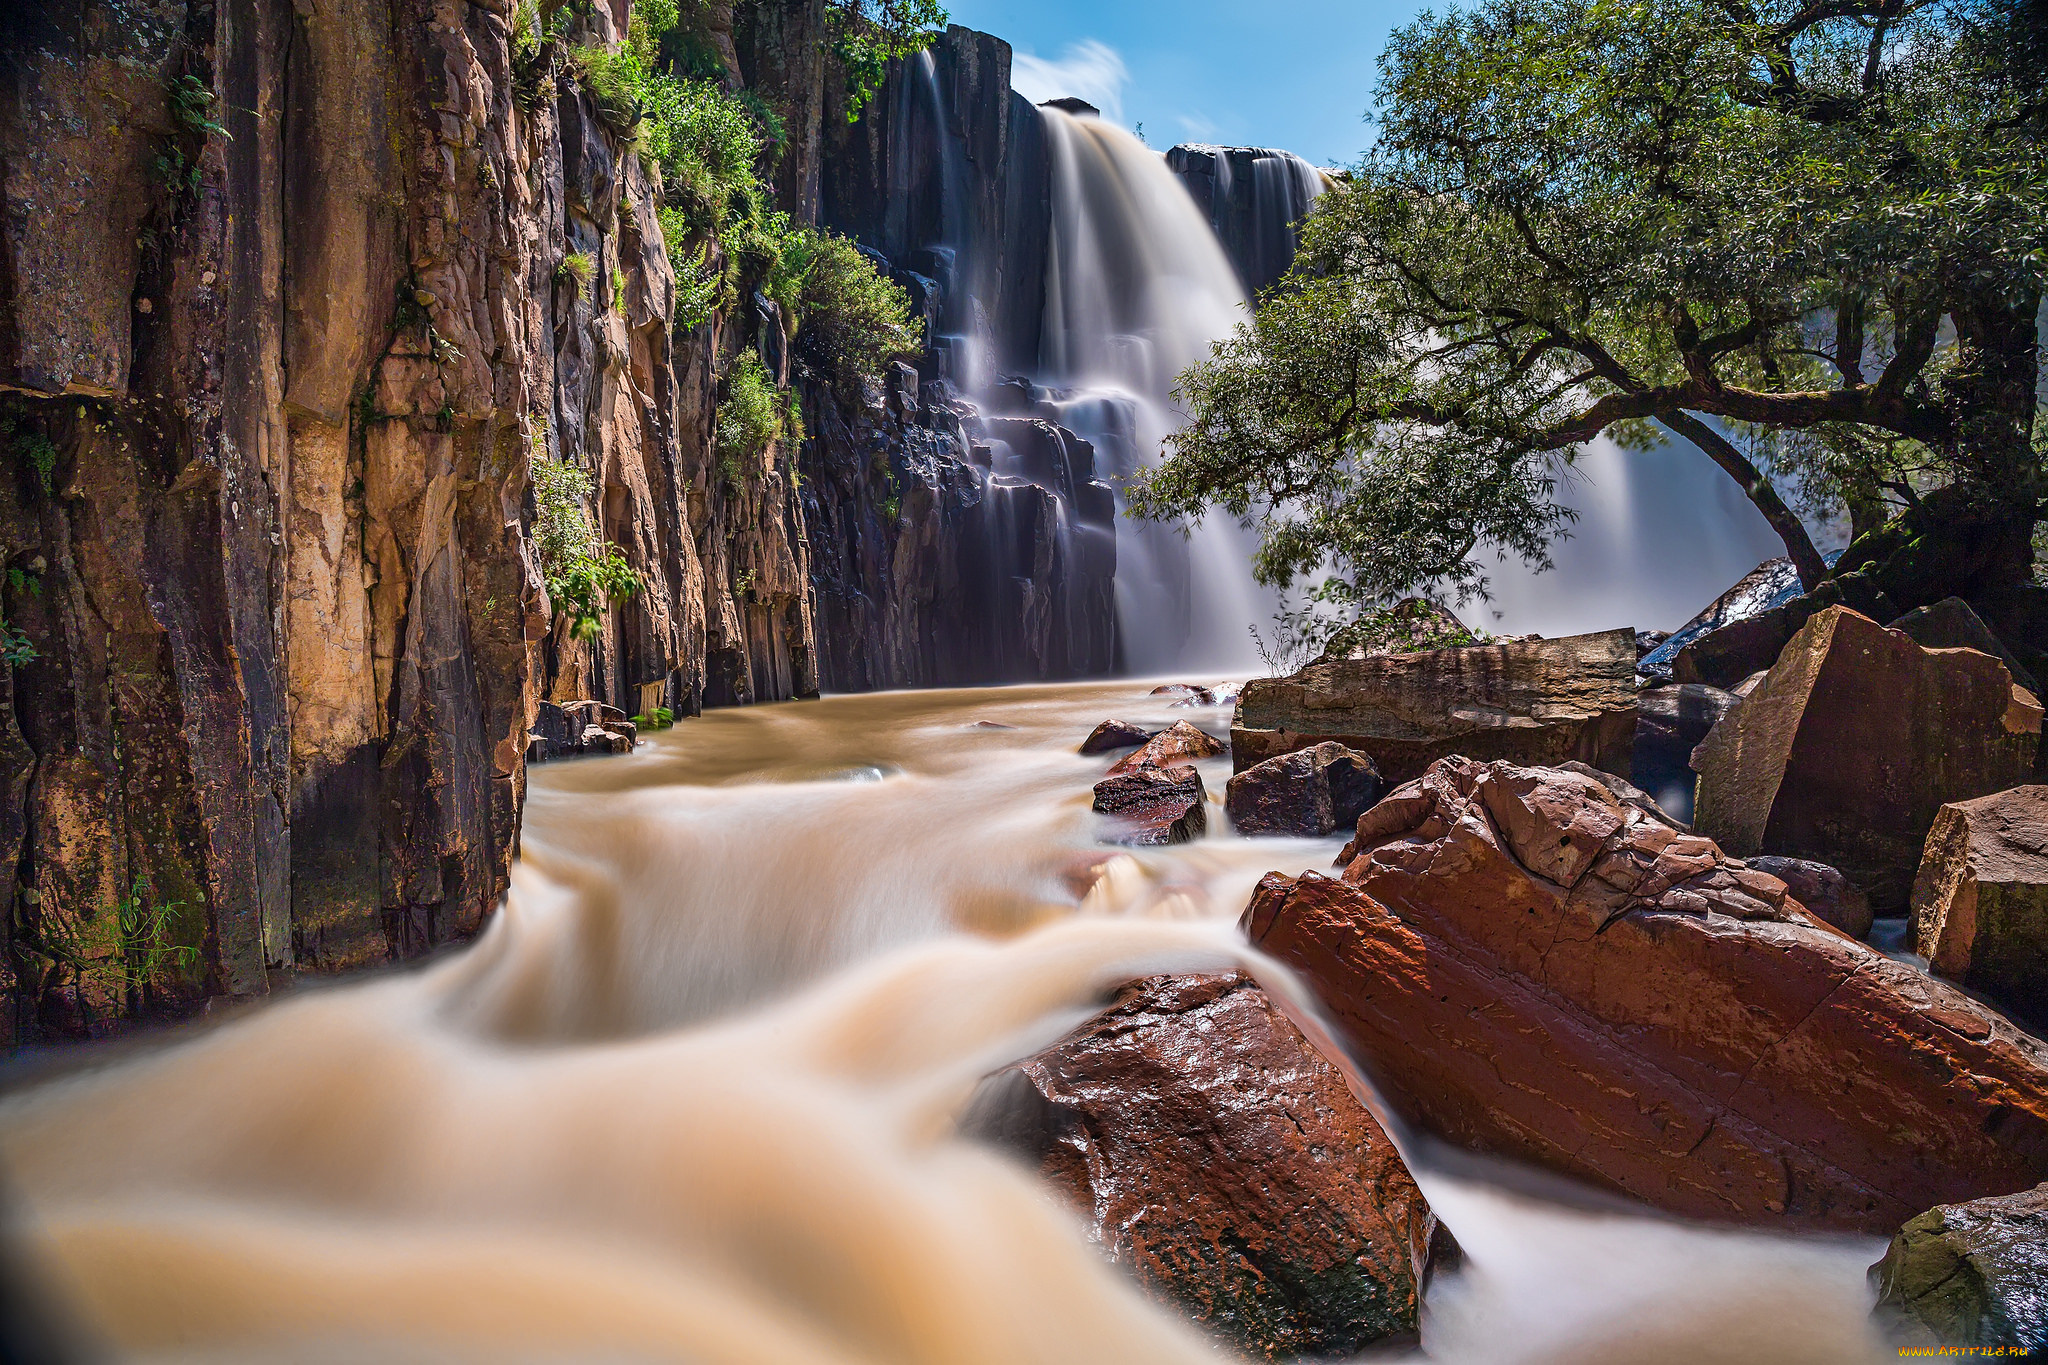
<point x="1805" y="235"/>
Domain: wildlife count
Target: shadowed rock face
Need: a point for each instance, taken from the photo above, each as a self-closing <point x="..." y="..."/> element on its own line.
<point x="1219" y="1157"/>
<point x="1309" y="792"/>
<point x="1532" y="968"/>
<point x="1973" y="1274"/>
<point x="1851" y="745"/>
<point x="1822" y="890"/>
<point x="1980" y="902"/>
<point x="1534" y="701"/>
<point x="1152" y="806"/>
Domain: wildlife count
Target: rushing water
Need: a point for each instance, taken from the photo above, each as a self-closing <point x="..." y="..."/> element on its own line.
<point x="691" y="1095"/>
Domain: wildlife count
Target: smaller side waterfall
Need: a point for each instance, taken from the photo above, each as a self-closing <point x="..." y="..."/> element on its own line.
<point x="1255" y="198"/>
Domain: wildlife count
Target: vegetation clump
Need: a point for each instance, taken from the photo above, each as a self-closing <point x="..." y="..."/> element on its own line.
<point x="583" y="576"/>
<point x="750" y="419"/>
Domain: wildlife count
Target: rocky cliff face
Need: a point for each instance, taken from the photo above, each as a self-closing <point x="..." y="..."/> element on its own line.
<point x="283" y="322"/>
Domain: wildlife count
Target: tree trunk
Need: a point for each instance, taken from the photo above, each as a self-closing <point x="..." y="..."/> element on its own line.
<point x="1798" y="544"/>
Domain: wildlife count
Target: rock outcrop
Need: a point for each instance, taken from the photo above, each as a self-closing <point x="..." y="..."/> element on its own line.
<point x="1222" y="1160"/>
<point x="1112" y="735"/>
<point x="1529" y="967"/>
<point x="1535" y="701"/>
<point x="1973" y="1275"/>
<point x="1822" y="890"/>
<point x="1154" y="805"/>
<point x="1951" y="623"/>
<point x="1179" y="743"/>
<point x="1256" y="198"/>
<point x="1308" y="792"/>
<point x="1852" y="744"/>
<point x="1980" y="901"/>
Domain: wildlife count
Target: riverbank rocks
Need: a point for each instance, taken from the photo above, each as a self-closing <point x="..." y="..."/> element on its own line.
<point x="1309" y="792"/>
<point x="1178" y="743"/>
<point x="1953" y="624"/>
<point x="1824" y="892"/>
<point x="1112" y="735"/>
<point x="1853" y="742"/>
<point x="1973" y="1274"/>
<point x="1769" y="585"/>
<point x="1152" y="806"/>
<point x="1221" y="1159"/>
<point x="1529" y="967"/>
<point x="1528" y="701"/>
<point x="579" y="727"/>
<point x="1980" y="902"/>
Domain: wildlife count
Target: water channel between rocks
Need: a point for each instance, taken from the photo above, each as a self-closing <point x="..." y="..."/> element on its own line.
<point x="691" y="1095"/>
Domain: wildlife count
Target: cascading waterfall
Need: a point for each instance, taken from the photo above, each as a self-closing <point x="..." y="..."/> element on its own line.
<point x="1137" y="289"/>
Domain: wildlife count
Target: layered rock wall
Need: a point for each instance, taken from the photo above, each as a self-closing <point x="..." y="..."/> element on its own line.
<point x="271" y="392"/>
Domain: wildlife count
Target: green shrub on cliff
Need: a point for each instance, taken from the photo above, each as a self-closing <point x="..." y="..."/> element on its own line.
<point x="751" y="417"/>
<point x="582" y="576"/>
<point x="851" y="319"/>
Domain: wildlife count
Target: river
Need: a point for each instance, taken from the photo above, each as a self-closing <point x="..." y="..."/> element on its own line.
<point x="691" y="1095"/>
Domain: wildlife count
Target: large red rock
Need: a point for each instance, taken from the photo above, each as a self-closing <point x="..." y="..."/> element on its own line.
<point x="1530" y="701"/>
<point x="1152" y="806"/>
<point x="1980" y="903"/>
<point x="1216" y="1154"/>
<point x="1178" y="743"/>
<point x="1531" y="967"/>
<point x="1853" y="742"/>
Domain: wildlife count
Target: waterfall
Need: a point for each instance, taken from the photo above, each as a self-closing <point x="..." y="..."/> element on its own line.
<point x="1255" y="198"/>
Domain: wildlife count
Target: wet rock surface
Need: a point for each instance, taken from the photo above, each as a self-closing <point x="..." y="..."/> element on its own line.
<point x="1535" y="701"/>
<point x="1309" y="792"/>
<point x="1980" y="901"/>
<point x="1973" y="1274"/>
<point x="1180" y="742"/>
<point x="1112" y="735"/>
<point x="1154" y="805"/>
<point x="1214" y="1153"/>
<point x="1769" y="585"/>
<point x="1823" y="890"/>
<point x="1529" y="967"/>
<point x="1853" y="742"/>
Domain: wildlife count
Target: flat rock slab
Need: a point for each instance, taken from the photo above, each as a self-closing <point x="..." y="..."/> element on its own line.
<point x="1852" y="744"/>
<point x="1309" y="792"/>
<point x="1529" y="967"/>
<point x="1980" y="902"/>
<point x="1217" y="1155"/>
<point x="1974" y="1274"/>
<point x="1529" y="701"/>
<point x="1153" y="806"/>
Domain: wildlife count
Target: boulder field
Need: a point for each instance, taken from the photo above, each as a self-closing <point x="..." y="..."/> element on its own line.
<point x="1532" y="968"/>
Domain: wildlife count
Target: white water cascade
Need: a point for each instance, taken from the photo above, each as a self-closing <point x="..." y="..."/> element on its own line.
<point x="1138" y="289"/>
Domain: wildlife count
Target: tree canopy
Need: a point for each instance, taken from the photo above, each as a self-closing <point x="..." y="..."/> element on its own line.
<point x="1808" y="236"/>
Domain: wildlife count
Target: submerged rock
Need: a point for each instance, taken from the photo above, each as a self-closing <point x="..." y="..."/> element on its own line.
<point x="1154" y="805"/>
<point x="1309" y="792"/>
<point x="1822" y="890"/>
<point x="1178" y="743"/>
<point x="1980" y="902"/>
<point x="1851" y="745"/>
<point x="1532" y="968"/>
<point x="1529" y="701"/>
<point x="1112" y="735"/>
<point x="1221" y="1159"/>
<point x="1973" y="1274"/>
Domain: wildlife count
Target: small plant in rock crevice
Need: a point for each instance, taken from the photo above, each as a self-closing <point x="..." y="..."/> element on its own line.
<point x="583" y="576"/>
<point x="576" y="270"/>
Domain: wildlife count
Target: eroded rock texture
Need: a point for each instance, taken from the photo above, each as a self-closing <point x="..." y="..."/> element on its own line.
<point x="1531" y="701"/>
<point x="1530" y="967"/>
<point x="1214" y="1153"/>
<point x="1980" y="902"/>
<point x="1851" y="745"/>
<point x="1974" y="1274"/>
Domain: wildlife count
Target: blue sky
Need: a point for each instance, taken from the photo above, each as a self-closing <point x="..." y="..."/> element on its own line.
<point x="1295" y="74"/>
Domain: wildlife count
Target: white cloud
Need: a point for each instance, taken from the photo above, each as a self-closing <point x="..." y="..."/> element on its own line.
<point x="1197" y="128"/>
<point x="1089" y="70"/>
